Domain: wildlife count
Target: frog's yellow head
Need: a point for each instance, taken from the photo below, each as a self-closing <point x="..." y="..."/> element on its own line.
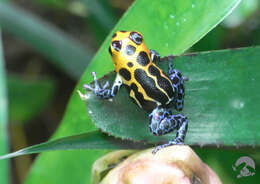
<point x="125" y="46"/>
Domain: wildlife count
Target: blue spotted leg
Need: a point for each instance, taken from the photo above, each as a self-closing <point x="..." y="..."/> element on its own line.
<point x="178" y="85"/>
<point x="162" y="122"/>
<point x="176" y="78"/>
<point x="155" y="56"/>
<point x="104" y="92"/>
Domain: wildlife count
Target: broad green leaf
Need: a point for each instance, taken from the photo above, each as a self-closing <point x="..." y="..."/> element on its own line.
<point x="63" y="51"/>
<point x="91" y="140"/>
<point x="220" y="101"/>
<point x="4" y="165"/>
<point x="178" y="25"/>
<point x="28" y="97"/>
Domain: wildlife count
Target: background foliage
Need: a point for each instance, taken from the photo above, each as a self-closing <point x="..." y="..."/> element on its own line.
<point x="47" y="45"/>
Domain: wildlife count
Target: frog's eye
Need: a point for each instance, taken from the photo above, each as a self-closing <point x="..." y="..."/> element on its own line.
<point x="117" y="45"/>
<point x="109" y="50"/>
<point x="136" y="37"/>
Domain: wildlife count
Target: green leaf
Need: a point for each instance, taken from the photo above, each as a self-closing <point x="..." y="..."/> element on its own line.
<point x="91" y="140"/>
<point x="176" y="22"/>
<point x="220" y="101"/>
<point x="4" y="165"/>
<point x="28" y="97"/>
<point x="172" y="35"/>
<point x="63" y="51"/>
<point x="216" y="95"/>
<point x="211" y="96"/>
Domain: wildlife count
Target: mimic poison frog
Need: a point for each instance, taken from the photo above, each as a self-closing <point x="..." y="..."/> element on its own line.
<point x="149" y="87"/>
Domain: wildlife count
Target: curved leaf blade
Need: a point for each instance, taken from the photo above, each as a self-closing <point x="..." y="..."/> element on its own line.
<point x="220" y="101"/>
<point x="91" y="140"/>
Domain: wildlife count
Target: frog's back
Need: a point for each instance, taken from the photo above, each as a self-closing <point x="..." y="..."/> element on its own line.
<point x="147" y="84"/>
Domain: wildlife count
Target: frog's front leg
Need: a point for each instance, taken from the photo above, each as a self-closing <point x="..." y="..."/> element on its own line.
<point x="155" y="56"/>
<point x="163" y="122"/>
<point x="104" y="92"/>
<point x="178" y="85"/>
<point x="176" y="78"/>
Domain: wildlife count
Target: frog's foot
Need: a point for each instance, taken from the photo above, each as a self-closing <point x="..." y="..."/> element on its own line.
<point x="170" y="143"/>
<point x="163" y="122"/>
<point x="99" y="91"/>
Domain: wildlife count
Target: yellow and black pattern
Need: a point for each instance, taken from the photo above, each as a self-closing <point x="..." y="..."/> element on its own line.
<point x="147" y="84"/>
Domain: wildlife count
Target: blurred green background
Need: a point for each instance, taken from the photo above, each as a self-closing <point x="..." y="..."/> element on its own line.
<point x="47" y="45"/>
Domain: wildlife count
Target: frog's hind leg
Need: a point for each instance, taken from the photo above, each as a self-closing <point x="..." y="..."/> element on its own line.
<point x="178" y="84"/>
<point x="162" y="121"/>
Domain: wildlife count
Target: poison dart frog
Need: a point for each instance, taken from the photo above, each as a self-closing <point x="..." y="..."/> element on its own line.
<point x="149" y="87"/>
